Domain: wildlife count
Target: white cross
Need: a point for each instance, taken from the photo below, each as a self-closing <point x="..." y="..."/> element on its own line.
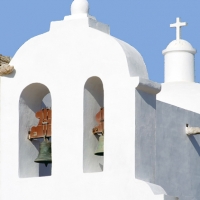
<point x="178" y="26"/>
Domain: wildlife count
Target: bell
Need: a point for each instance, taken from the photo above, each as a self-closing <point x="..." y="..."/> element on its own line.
<point x="100" y="148"/>
<point x="44" y="153"/>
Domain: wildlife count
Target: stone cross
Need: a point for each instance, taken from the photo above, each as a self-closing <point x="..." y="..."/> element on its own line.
<point x="178" y="26"/>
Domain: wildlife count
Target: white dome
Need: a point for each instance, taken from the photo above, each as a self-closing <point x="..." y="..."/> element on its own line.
<point x="79" y="7"/>
<point x="179" y="61"/>
<point x="84" y="50"/>
<point x="179" y="45"/>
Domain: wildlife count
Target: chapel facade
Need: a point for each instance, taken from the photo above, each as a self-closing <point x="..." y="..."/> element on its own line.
<point x="88" y="123"/>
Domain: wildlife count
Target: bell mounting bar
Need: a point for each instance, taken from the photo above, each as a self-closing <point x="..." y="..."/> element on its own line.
<point x="100" y="119"/>
<point x="192" y="130"/>
<point x="44" y="126"/>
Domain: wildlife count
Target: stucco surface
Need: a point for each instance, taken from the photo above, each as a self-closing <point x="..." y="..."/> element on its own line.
<point x="93" y="101"/>
<point x="179" y="45"/>
<point x="134" y="59"/>
<point x="62" y="60"/>
<point x="31" y="100"/>
<point x="145" y="136"/>
<point x="74" y="44"/>
<point x="177" y="155"/>
<point x="185" y="95"/>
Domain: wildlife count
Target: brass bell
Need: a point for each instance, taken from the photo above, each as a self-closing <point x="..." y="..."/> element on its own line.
<point x="100" y="148"/>
<point x="44" y="153"/>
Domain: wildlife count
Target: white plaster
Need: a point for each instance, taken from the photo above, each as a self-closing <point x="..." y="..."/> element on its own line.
<point x="175" y="142"/>
<point x="181" y="94"/>
<point x="135" y="59"/>
<point x="93" y="101"/>
<point x="63" y="59"/>
<point x="179" y="67"/>
<point x="177" y="154"/>
<point x="147" y="86"/>
<point x="145" y="129"/>
<point x="179" y="61"/>
<point x="30" y="102"/>
<point x="181" y="46"/>
<point x="28" y="151"/>
<point x="79" y="7"/>
<point x="179" y="58"/>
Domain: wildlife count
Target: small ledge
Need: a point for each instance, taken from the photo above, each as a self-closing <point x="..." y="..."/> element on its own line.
<point x="6" y="69"/>
<point x="146" y="85"/>
<point x="192" y="130"/>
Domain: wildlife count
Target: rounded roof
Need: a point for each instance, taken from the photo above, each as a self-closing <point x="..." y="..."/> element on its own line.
<point x="179" y="45"/>
<point x="79" y="7"/>
<point x="74" y="46"/>
<point x="135" y="61"/>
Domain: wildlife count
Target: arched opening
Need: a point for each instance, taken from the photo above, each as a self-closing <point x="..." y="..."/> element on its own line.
<point x="93" y="102"/>
<point x="33" y="98"/>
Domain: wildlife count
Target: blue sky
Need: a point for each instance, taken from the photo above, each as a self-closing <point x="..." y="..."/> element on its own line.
<point x="142" y="23"/>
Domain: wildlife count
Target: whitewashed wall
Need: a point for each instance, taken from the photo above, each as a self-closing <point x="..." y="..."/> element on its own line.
<point x="31" y="101"/>
<point x="185" y="95"/>
<point x="93" y="101"/>
<point x="63" y="60"/>
<point x="177" y="155"/>
<point x="145" y="134"/>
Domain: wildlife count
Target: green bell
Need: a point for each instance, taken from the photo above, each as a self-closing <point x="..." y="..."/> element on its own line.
<point x="100" y="148"/>
<point x="44" y="153"/>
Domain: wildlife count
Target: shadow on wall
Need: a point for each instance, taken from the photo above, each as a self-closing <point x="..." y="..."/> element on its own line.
<point x="170" y="198"/>
<point x="32" y="99"/>
<point x="195" y="143"/>
<point x="93" y="101"/>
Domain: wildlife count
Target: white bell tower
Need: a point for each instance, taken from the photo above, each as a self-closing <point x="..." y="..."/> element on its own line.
<point x="179" y="58"/>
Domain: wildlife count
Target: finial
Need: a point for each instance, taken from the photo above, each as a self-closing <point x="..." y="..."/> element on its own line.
<point x="178" y="26"/>
<point x="79" y="7"/>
